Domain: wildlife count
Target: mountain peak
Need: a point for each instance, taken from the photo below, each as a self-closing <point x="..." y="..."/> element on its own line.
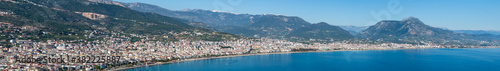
<point x="410" y="18"/>
<point x="322" y="23"/>
<point x="412" y="30"/>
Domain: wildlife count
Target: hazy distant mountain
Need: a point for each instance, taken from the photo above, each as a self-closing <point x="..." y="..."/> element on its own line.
<point x="477" y="32"/>
<point x="265" y="25"/>
<point x="412" y="30"/>
<point x="409" y="30"/>
<point x="321" y="30"/>
<point x="354" y="30"/>
<point x="474" y="32"/>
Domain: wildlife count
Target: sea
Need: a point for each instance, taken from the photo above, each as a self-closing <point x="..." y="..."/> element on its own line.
<point x="443" y="59"/>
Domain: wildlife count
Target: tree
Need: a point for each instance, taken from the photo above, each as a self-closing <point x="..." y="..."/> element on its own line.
<point x="97" y="67"/>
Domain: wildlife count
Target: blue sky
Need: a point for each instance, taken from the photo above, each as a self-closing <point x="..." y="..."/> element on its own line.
<point x="452" y="14"/>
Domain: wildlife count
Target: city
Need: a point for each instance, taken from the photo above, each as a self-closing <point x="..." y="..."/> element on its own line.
<point x="151" y="52"/>
<point x="121" y="35"/>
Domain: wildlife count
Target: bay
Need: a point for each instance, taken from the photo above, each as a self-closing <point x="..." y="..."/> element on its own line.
<point x="474" y="59"/>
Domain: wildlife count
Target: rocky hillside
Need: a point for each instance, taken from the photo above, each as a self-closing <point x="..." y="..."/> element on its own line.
<point x="321" y="30"/>
<point x="72" y="18"/>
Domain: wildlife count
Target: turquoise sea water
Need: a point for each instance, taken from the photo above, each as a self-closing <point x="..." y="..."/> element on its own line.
<point x="480" y="59"/>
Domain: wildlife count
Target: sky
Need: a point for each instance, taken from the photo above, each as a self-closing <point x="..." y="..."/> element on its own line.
<point x="451" y="14"/>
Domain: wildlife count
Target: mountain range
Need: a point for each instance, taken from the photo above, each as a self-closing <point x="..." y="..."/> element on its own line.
<point x="68" y="18"/>
<point x="354" y="30"/>
<point x="252" y="25"/>
<point x="65" y="19"/>
<point x="409" y="30"/>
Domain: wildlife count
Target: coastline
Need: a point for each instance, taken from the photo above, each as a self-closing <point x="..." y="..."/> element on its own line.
<point x="203" y="58"/>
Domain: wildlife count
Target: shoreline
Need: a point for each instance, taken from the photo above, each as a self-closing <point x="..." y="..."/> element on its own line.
<point x="204" y="58"/>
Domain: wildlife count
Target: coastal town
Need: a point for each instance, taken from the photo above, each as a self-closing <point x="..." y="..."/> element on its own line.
<point x="148" y="51"/>
<point x="98" y="35"/>
<point x="151" y="52"/>
<point x="134" y="50"/>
